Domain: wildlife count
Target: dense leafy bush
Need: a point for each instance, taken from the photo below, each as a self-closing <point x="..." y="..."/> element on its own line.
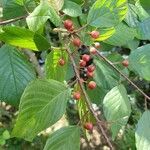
<point x="87" y="60"/>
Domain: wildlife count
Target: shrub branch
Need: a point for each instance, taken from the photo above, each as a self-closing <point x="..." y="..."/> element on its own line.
<point x="87" y="100"/>
<point x="123" y="75"/>
<point x="12" y="20"/>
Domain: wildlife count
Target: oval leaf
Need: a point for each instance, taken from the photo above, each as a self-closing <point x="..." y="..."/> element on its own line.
<point x="117" y="108"/>
<point x="122" y="35"/>
<point x="72" y="9"/>
<point x="139" y="61"/>
<point x="11" y="9"/>
<point x="104" y="76"/>
<point x="40" y="15"/>
<point x="107" y="13"/>
<point x="15" y="73"/>
<point x="42" y="104"/>
<point x="23" y="38"/>
<point x="52" y="67"/>
<point x="67" y="138"/>
<point x="142" y="134"/>
<point x="144" y="30"/>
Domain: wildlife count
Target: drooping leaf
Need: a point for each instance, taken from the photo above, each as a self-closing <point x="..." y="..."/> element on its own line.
<point x="42" y="104"/>
<point x="107" y="13"/>
<point x="15" y="74"/>
<point x="52" y="68"/>
<point x="122" y="35"/>
<point x="142" y="134"/>
<point x="67" y="138"/>
<point x="139" y="61"/>
<point x="23" y="38"/>
<point x="72" y="9"/>
<point x="117" y="108"/>
<point x="40" y="15"/>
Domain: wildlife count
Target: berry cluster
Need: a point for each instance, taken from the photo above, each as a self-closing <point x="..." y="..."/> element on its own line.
<point x="86" y="66"/>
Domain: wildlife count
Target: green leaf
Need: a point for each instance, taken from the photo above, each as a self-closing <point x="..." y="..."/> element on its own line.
<point x="72" y="9"/>
<point x="139" y="61"/>
<point x="2" y="141"/>
<point x="117" y="108"/>
<point x="56" y="4"/>
<point x="146" y="5"/>
<point x="52" y="68"/>
<point x="122" y="35"/>
<point x="97" y="95"/>
<point x="6" y="135"/>
<point x="41" y="42"/>
<point x="132" y="16"/>
<point x="106" y="33"/>
<point x="142" y="14"/>
<point x="144" y="30"/>
<point x="104" y="76"/>
<point x="23" y="38"/>
<point x="42" y="104"/>
<point x="78" y="1"/>
<point x="12" y="9"/>
<point x="107" y="13"/>
<point x="40" y="15"/>
<point x="15" y="73"/>
<point x="133" y="44"/>
<point x="142" y="134"/>
<point x="67" y="138"/>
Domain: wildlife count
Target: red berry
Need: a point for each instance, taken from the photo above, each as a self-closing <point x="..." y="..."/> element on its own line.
<point x="97" y="45"/>
<point x="61" y="62"/>
<point x="93" y="50"/>
<point x="125" y="63"/>
<point x="88" y="126"/>
<point x="76" y="42"/>
<point x="92" y="85"/>
<point x="76" y="95"/>
<point x="86" y="57"/>
<point x="94" y="34"/>
<point x="90" y="74"/>
<point x="91" y="68"/>
<point x="68" y="24"/>
<point x="82" y="63"/>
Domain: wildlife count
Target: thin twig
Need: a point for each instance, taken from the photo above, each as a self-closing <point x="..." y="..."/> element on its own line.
<point x="75" y="31"/>
<point x="145" y="103"/>
<point x="87" y="98"/>
<point x="12" y="20"/>
<point x="123" y="75"/>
